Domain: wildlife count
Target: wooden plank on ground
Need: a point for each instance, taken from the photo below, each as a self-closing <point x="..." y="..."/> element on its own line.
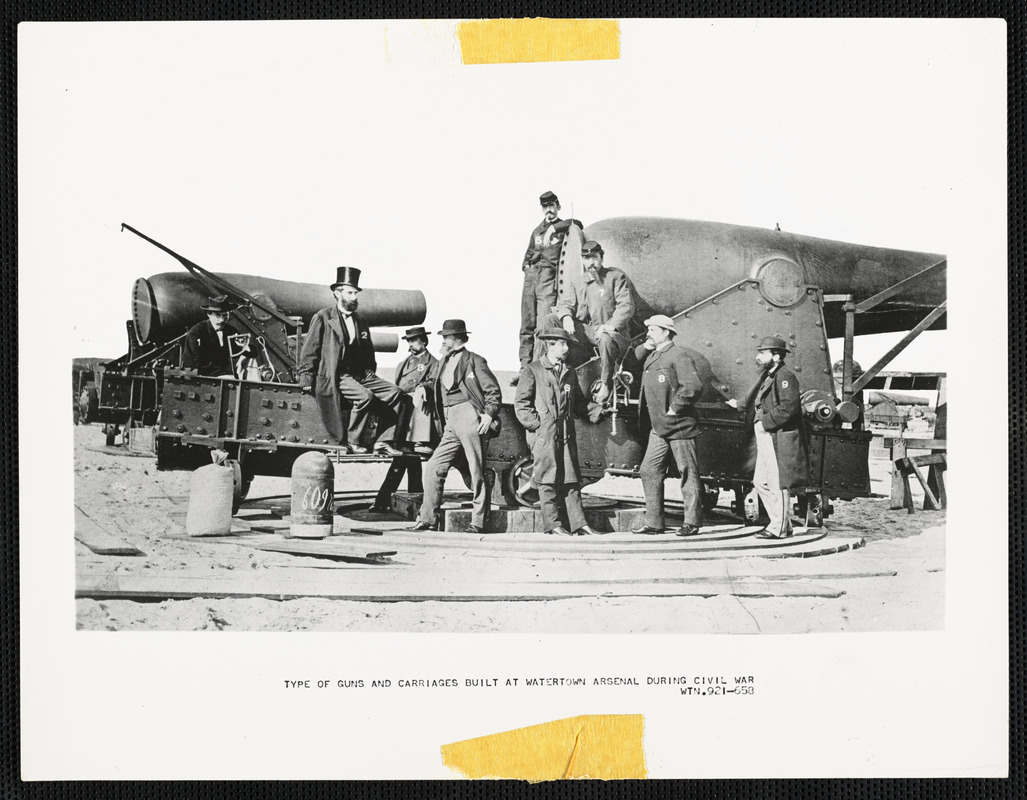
<point x="336" y="546"/>
<point x="156" y="587"/>
<point x="100" y="541"/>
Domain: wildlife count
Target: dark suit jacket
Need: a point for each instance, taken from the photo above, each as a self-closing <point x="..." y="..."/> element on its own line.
<point x="781" y="415"/>
<point x="480" y="385"/>
<point x="670" y="388"/>
<point x="204" y="353"/>
<point x="324" y="348"/>
<point x="408" y="374"/>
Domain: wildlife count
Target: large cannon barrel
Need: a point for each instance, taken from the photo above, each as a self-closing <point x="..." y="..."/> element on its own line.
<point x="167" y="304"/>
<point x="675" y="263"/>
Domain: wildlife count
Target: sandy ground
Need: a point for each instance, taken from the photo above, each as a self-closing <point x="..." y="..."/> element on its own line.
<point x="128" y="498"/>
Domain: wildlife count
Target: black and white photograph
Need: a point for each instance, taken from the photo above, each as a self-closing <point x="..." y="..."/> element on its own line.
<point x="437" y="379"/>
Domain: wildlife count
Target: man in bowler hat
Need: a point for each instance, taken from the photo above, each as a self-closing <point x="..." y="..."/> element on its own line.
<point x="774" y="412"/>
<point x="206" y="343"/>
<point x="670" y="387"/>
<point x="337" y="363"/>
<point x="548" y="397"/>
<point x="467" y="395"/>
<point x="413" y="376"/>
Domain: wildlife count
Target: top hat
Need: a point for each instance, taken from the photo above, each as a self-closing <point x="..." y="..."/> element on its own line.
<point x="558" y="334"/>
<point x="548" y="197"/>
<point x="416" y="333"/>
<point x="220" y="304"/>
<point x="773" y="343"/>
<point x="590" y="248"/>
<point x="661" y="321"/>
<point x="454" y="327"/>
<point x="346" y="276"/>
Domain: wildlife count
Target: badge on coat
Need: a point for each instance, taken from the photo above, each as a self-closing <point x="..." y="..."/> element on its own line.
<point x="663" y="379"/>
<point x="784" y="384"/>
<point x="420" y="367"/>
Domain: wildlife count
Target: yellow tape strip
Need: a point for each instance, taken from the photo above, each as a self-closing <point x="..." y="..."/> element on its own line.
<point x="600" y="746"/>
<point x="511" y="41"/>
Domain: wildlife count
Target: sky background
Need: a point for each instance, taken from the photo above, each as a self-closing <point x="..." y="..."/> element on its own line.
<point x="288" y="150"/>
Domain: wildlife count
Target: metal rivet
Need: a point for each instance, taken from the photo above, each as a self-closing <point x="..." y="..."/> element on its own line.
<point x="181" y="428"/>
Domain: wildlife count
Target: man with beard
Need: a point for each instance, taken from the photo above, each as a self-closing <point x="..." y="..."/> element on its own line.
<point x="467" y="396"/>
<point x="413" y="376"/>
<point x="337" y="363"/>
<point x="597" y="313"/>
<point x="547" y="398"/>
<point x="774" y="412"/>
<point x="541" y="260"/>
<point x="666" y="405"/>
<point x="206" y="343"/>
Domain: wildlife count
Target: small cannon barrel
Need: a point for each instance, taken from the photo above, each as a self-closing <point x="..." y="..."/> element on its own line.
<point x="819" y="405"/>
<point x="675" y="263"/>
<point x="167" y="304"/>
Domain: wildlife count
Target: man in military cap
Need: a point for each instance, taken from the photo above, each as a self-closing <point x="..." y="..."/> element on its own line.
<point x="597" y="313"/>
<point x="670" y="387"/>
<point x="413" y="376"/>
<point x="548" y="397"/>
<point x="206" y="344"/>
<point x="774" y="411"/>
<point x="540" y="264"/>
<point x="468" y="396"/>
<point x="337" y="363"/>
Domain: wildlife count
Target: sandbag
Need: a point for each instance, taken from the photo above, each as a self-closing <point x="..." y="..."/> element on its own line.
<point x="210" y="502"/>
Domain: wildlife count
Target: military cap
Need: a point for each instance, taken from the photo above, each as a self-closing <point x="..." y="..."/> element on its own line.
<point x="548" y="197"/>
<point x="346" y="276"/>
<point x="220" y="304"/>
<point x="773" y="343"/>
<point x="590" y="248"/>
<point x="454" y="327"/>
<point x="556" y="334"/>
<point x="661" y="321"/>
<point x="416" y="333"/>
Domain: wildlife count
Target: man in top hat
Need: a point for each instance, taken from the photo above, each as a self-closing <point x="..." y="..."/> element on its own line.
<point x="597" y="313"/>
<point x="541" y="261"/>
<point x="413" y="377"/>
<point x="774" y="411"/>
<point x="670" y="387"/>
<point x="467" y="395"/>
<point x="337" y="363"/>
<point x="548" y="396"/>
<point x="206" y="344"/>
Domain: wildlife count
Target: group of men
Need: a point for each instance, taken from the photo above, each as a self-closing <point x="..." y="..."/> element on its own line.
<point x="448" y="407"/>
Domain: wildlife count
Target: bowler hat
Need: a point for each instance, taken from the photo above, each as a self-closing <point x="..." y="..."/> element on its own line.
<point x="416" y="333"/>
<point x="661" y="321"/>
<point x="454" y="327"/>
<point x="590" y="248"/>
<point x="221" y="304"/>
<point x="558" y="334"/>
<point x="548" y="197"/>
<point x="773" y="343"/>
<point x="346" y="276"/>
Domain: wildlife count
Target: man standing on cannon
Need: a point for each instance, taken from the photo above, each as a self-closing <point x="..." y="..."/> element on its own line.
<point x="597" y="313"/>
<point x="337" y="363"/>
<point x="666" y="405"/>
<point x="467" y="396"/>
<point x="548" y="396"/>
<point x="414" y="376"/>
<point x="774" y="412"/>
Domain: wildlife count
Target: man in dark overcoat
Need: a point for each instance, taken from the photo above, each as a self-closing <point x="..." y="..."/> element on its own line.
<point x="337" y="363"/>
<point x="206" y="343"/>
<point x="670" y="387"/>
<point x="467" y="396"/>
<point x="774" y="413"/>
<point x="548" y="397"/>
<point x="414" y="376"/>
